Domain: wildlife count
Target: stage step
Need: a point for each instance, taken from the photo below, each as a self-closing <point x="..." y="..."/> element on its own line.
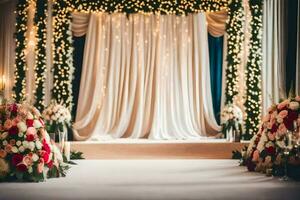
<point x="157" y="150"/>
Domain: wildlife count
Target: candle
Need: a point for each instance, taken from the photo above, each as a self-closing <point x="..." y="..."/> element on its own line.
<point x="67" y="150"/>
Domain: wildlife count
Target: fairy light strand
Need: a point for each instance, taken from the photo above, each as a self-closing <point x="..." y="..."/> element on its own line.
<point x="19" y="88"/>
<point x="40" y="21"/>
<point x="253" y="70"/>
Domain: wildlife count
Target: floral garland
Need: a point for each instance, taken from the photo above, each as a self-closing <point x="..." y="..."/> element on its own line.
<point x="62" y="43"/>
<point x="253" y="71"/>
<point x="235" y="31"/>
<point x="278" y="134"/>
<point x="40" y="21"/>
<point x="19" y="89"/>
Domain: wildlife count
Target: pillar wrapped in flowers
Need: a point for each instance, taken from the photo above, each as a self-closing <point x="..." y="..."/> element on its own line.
<point x="26" y="151"/>
<point x="277" y="143"/>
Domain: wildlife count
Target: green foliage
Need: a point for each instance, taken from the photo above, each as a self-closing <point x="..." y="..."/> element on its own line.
<point x="253" y="71"/>
<point x="21" y="44"/>
<point x="235" y="32"/>
<point x="76" y="155"/>
<point x="40" y="21"/>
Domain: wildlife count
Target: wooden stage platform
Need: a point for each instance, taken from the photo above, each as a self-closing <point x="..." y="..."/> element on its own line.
<point x="150" y="149"/>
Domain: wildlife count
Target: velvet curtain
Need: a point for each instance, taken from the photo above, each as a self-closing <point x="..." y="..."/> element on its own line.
<point x="146" y="76"/>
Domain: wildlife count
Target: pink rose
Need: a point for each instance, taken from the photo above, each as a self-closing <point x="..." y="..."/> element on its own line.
<point x="271" y="136"/>
<point x="282" y="130"/>
<point x="297" y="98"/>
<point x="40" y="167"/>
<point x="271" y="123"/>
<point x="8" y="148"/>
<point x="27" y="160"/>
<point x="255" y="156"/>
<point x="266" y="118"/>
<point x="298" y="121"/>
<point x="31" y="131"/>
<point x="274" y="115"/>
<point x="283" y="114"/>
<point x="8" y="124"/>
<point x="2" y="153"/>
<point x="283" y="104"/>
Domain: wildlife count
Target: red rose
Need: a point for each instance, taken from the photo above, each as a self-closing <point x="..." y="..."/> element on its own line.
<point x="289" y="123"/>
<point x="46" y="147"/>
<point x="16" y="159"/>
<point x="46" y="157"/>
<point x="13" y="130"/>
<point x="50" y="164"/>
<point x="21" y="167"/>
<point x="14" y="108"/>
<point x="293" y="115"/>
<point x="270" y="150"/>
<point x="30" y="137"/>
<point x="274" y="128"/>
<point x="29" y="122"/>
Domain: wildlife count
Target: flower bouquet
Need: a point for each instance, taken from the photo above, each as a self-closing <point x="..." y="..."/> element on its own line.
<point x="26" y="151"/>
<point x="231" y="122"/>
<point x="277" y="143"/>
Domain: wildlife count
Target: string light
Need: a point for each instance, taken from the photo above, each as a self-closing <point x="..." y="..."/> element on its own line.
<point x="62" y="40"/>
<point x="19" y="89"/>
<point x="253" y="71"/>
<point x="235" y="39"/>
<point x="40" y="21"/>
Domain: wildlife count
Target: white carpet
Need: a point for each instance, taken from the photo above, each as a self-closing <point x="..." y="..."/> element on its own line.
<point x="155" y="179"/>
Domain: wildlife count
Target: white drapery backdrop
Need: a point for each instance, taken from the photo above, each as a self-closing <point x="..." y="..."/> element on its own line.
<point x="274" y="50"/>
<point x="144" y="76"/>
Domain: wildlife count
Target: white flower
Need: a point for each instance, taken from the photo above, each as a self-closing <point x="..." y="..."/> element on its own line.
<point x="37" y="124"/>
<point x="20" y="134"/>
<point x="4" y="168"/>
<point x="38" y="144"/>
<point x="4" y="142"/>
<point x="294" y="105"/>
<point x="18" y="143"/>
<point x="30" y="170"/>
<point x="29" y="115"/>
<point x="35" y="157"/>
<point x="4" y="135"/>
<point x="279" y="119"/>
<point x="22" y="127"/>
<point x="14" y="149"/>
<point x="26" y="144"/>
<point x="21" y="149"/>
<point x="31" y="146"/>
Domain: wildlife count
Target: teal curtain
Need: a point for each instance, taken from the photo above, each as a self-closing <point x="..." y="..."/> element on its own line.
<point x="216" y="60"/>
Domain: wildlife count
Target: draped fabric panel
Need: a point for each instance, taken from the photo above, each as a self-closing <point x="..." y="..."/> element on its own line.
<point x="216" y="62"/>
<point x="298" y="53"/>
<point x="274" y="48"/>
<point x="80" y="22"/>
<point x="216" y="23"/>
<point x="7" y="45"/>
<point x="145" y="76"/>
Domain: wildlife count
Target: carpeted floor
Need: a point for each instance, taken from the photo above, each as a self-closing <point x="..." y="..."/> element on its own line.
<point x="155" y="179"/>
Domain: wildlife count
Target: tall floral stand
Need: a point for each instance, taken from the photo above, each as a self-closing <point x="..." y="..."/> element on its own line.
<point x="232" y="135"/>
<point x="64" y="145"/>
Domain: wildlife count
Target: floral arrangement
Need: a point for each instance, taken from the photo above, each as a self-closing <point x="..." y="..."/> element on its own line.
<point x="231" y="120"/>
<point x="57" y="117"/>
<point x="26" y="151"/>
<point x="278" y="139"/>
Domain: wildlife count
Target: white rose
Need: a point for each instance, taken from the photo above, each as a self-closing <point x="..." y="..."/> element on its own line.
<point x="37" y="124"/>
<point x="269" y="144"/>
<point x="31" y="146"/>
<point x="21" y="149"/>
<point x="14" y="149"/>
<point x="4" y="168"/>
<point x="29" y="115"/>
<point x="294" y="105"/>
<point x="20" y="134"/>
<point x="35" y="157"/>
<point x="38" y="144"/>
<point x="26" y="144"/>
<point x="30" y="170"/>
<point x="4" y="142"/>
<point x="4" y="135"/>
<point x="279" y="119"/>
<point x="22" y="127"/>
<point x="18" y="143"/>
